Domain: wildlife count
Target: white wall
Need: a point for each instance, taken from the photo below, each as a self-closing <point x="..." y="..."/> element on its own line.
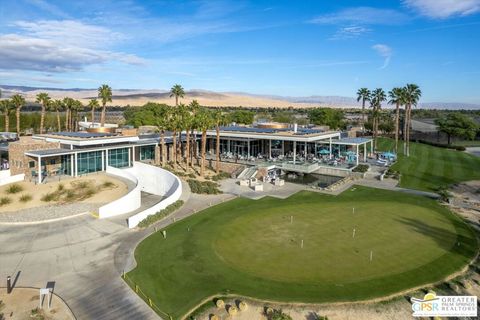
<point x="157" y="181"/>
<point x="147" y="178"/>
<point x="128" y="203"/>
<point x="6" y="177"/>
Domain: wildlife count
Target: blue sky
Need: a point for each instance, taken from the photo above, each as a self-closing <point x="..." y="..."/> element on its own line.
<point x="295" y="48"/>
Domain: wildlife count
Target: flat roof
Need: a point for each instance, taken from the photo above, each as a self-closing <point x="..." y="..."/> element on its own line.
<point x="352" y="141"/>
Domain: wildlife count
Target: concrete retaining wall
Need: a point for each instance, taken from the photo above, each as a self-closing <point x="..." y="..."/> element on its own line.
<point x="6" y="177"/>
<point x="128" y="203"/>
<point x="333" y="171"/>
<point x="157" y="181"/>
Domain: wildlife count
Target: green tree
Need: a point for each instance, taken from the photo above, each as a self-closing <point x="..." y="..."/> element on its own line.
<point x="204" y="122"/>
<point x="412" y="94"/>
<point x="44" y="99"/>
<point x="105" y="95"/>
<point x="364" y="95"/>
<point x="18" y="101"/>
<point x="93" y="104"/>
<point x="57" y="106"/>
<point x="194" y="108"/>
<point x="219" y="119"/>
<point x="6" y="106"/>
<point x="457" y="125"/>
<point x="242" y="116"/>
<point x="334" y="118"/>
<point x="377" y="97"/>
<point x="177" y="91"/>
<point x="396" y="96"/>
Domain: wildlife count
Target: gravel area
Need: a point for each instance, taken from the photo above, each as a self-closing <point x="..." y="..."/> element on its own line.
<point x="49" y="212"/>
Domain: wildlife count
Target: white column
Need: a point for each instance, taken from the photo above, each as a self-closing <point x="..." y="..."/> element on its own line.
<point x="305" y="151"/>
<point x="106" y="158"/>
<point x="39" y="170"/>
<point x="364" y="152"/>
<point x="76" y="165"/>
<point x="72" y="165"/>
<point x="357" y="155"/>
<point x="133" y="155"/>
<point x="294" y="151"/>
<point x="129" y="156"/>
<point x="269" y="149"/>
<point x="228" y="146"/>
<point x="283" y="148"/>
<point x="103" y="160"/>
<point x="371" y="147"/>
<point x="248" y="148"/>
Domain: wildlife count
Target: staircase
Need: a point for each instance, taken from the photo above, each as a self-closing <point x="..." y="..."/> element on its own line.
<point x="248" y="173"/>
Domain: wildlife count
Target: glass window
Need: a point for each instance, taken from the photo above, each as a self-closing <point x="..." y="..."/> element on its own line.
<point x="147" y="153"/>
<point x="31" y="164"/>
<point x="89" y="162"/>
<point x="118" y="158"/>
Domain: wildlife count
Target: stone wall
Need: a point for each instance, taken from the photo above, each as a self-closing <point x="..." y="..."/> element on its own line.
<point x="19" y="162"/>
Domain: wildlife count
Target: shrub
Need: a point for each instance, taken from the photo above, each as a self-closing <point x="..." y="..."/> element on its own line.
<point x="361" y="168"/>
<point x="242" y="306"/>
<point x="14" y="188"/>
<point x="205" y="187"/>
<point x="108" y="184"/>
<point x="81" y="184"/>
<point x="232" y="310"/>
<point x="70" y="195"/>
<point x="51" y="196"/>
<point x="160" y="214"/>
<point x="221" y="176"/>
<point x="278" y="315"/>
<point x="4" y="201"/>
<point x="220" y="303"/>
<point x="60" y="187"/>
<point x="214" y="317"/>
<point x="25" y="198"/>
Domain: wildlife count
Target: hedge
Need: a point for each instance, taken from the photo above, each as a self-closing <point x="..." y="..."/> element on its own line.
<point x="441" y="145"/>
<point x="205" y="187"/>
<point x="160" y="214"/>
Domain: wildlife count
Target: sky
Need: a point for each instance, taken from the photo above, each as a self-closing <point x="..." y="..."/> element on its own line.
<point x="288" y="48"/>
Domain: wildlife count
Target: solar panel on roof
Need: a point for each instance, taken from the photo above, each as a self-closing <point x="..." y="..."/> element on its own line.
<point x="84" y="134"/>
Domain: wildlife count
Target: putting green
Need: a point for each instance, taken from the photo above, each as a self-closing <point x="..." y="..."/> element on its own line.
<point x="390" y="242"/>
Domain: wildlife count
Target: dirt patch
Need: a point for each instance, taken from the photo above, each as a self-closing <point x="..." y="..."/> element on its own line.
<point x="23" y="303"/>
<point x="99" y="188"/>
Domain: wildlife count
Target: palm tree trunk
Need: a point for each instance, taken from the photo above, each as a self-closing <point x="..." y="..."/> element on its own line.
<point x="66" y="119"/>
<point x="204" y="145"/>
<point x="363" y="115"/>
<point x="408" y="128"/>
<point x="93" y="116"/>
<point x="102" y="116"/>
<point x="176" y="101"/>
<point x="405" y="131"/>
<point x="397" y="115"/>
<point x="217" y="151"/>
<point x="164" y="153"/>
<point x="17" y="114"/>
<point x="174" y="136"/>
<point x="58" y="122"/>
<point x="42" y="119"/>
<point x="194" y="144"/>
<point x="7" y="122"/>
<point x="187" y="151"/>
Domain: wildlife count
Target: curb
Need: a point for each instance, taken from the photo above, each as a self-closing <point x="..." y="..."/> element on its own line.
<point x="43" y="221"/>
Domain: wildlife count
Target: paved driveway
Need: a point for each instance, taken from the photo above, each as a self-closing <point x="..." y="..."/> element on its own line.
<point x="83" y="256"/>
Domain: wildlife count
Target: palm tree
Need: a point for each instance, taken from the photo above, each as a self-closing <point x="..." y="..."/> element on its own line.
<point x="105" y="94"/>
<point x="205" y="122"/>
<point x="364" y="95"/>
<point x="162" y="120"/>
<point x="396" y="97"/>
<point x="57" y="106"/>
<point x="219" y="119"/>
<point x="174" y="126"/>
<point x="18" y="101"/>
<point x="185" y="123"/>
<point x="93" y="104"/>
<point x="68" y="103"/>
<point x="75" y="108"/>
<point x="377" y="97"/>
<point x="6" y="107"/>
<point x="412" y="94"/>
<point x="194" y="107"/>
<point x="177" y="92"/>
<point x="44" y="99"/>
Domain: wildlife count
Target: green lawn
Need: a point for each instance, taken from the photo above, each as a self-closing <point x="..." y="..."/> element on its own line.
<point x="429" y="167"/>
<point x="252" y="248"/>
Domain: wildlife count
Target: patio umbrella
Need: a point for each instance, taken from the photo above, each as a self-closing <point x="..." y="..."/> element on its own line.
<point x="351" y="153"/>
<point x="324" y="151"/>
<point x="389" y="155"/>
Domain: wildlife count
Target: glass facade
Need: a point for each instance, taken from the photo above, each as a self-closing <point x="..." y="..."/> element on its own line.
<point x="118" y="158"/>
<point x="147" y="153"/>
<point x="89" y="162"/>
<point x="66" y="167"/>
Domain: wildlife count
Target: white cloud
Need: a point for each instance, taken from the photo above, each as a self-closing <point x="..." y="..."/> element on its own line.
<point x="385" y="52"/>
<point x="350" y="32"/>
<point x="441" y="9"/>
<point x="362" y="16"/>
<point x="59" y="46"/>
